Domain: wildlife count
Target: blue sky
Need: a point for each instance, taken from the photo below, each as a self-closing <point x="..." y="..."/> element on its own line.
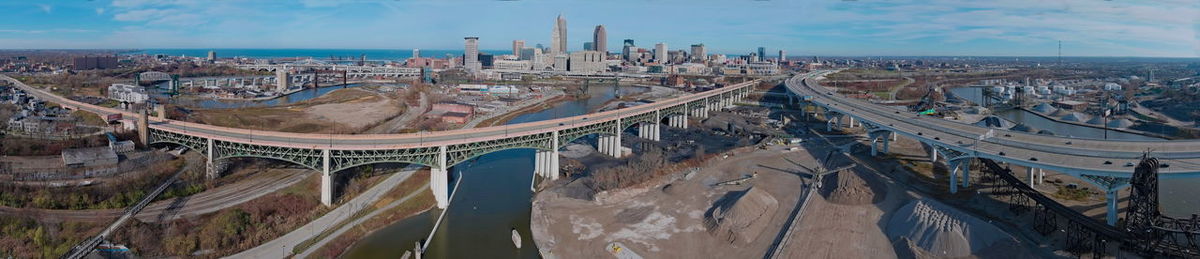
<point x="1167" y="28"/>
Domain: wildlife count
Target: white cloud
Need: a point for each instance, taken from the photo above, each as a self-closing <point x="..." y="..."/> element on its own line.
<point x="99" y="11"/>
<point x="46" y="8"/>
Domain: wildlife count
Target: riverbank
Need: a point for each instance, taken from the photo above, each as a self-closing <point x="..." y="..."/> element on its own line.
<point x="502" y="119"/>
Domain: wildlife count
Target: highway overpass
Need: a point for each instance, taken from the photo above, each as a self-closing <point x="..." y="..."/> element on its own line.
<point x="1104" y="163"/>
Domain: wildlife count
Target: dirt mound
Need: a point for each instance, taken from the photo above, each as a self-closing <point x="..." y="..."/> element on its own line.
<point x="941" y="230"/>
<point x="850" y="188"/>
<point x="741" y="215"/>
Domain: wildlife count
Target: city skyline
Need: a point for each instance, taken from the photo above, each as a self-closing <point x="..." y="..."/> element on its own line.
<point x="1007" y="28"/>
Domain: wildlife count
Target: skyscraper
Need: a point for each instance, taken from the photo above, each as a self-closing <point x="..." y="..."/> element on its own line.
<point x="600" y="40"/>
<point x="627" y="48"/>
<point x="416" y="53"/>
<point x="762" y="53"/>
<point x="782" y="55"/>
<point x="517" y="46"/>
<point x="212" y="55"/>
<point x="698" y="52"/>
<point x="558" y="41"/>
<point x="471" y="55"/>
<point x="589" y="46"/>
<point x="660" y="52"/>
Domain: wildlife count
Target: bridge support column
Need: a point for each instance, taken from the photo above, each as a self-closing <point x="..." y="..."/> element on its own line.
<point x="1041" y="176"/>
<point x="954" y="176"/>
<point x="874" y="148"/>
<point x="887" y="141"/>
<point x="210" y="167"/>
<point x="933" y="154"/>
<point x="439" y="180"/>
<point x="1029" y="175"/>
<point x="553" y="172"/>
<point x="648" y="131"/>
<point x="326" y="179"/>
<point x="966" y="169"/>
<point x="1111" y="200"/>
<point x="539" y="163"/>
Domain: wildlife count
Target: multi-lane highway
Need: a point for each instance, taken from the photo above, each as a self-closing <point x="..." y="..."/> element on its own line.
<point x="1075" y="156"/>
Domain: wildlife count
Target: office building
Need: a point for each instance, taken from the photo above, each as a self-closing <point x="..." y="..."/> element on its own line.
<point x="558" y="40"/>
<point x="762" y="52"/>
<point x="589" y="46"/>
<point x="282" y="81"/>
<point x="627" y="48"/>
<point x="471" y="55"/>
<point x="529" y="53"/>
<point x="660" y="52"/>
<point x="600" y="40"/>
<point x="416" y="53"/>
<point x="517" y="46"/>
<point x="212" y="55"/>
<point x="560" y="62"/>
<point x="588" y="61"/>
<point x="699" y="54"/>
<point x="782" y="55"/>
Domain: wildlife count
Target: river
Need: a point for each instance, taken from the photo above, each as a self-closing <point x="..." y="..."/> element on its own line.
<point x="493" y="199"/>
<point x="1167" y="188"/>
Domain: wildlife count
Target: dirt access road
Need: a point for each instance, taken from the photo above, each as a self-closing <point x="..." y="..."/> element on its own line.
<point x="656" y="221"/>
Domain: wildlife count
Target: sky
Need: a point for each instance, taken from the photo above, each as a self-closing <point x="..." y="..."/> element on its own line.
<point x="1161" y="28"/>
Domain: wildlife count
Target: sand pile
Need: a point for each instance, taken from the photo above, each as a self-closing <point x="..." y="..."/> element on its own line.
<point x="1075" y="116"/>
<point x="850" y="188"/>
<point x="1120" y="123"/>
<point x="1045" y="108"/>
<point x="741" y="216"/>
<point x="992" y="121"/>
<point x="944" y="231"/>
<point x="1023" y="128"/>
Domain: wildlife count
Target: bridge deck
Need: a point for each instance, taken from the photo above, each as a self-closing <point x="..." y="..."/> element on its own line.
<point x="1072" y="155"/>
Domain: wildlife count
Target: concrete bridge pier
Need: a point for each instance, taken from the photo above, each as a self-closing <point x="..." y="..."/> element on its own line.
<point x="648" y="131"/>
<point x="1110" y="197"/>
<point x="439" y="180"/>
<point x="678" y="121"/>
<point x="954" y="166"/>
<point x="887" y="140"/>
<point x="611" y="145"/>
<point x="326" y="179"/>
<point x="966" y="170"/>
<point x="209" y="166"/>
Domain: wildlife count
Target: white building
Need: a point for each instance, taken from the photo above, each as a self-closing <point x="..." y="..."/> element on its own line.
<point x="128" y="93"/>
<point x="560" y="62"/>
<point x="471" y="55"/>
<point x="1112" y="87"/>
<point x="660" y="52"/>
<point x="512" y="64"/>
<point x="587" y="61"/>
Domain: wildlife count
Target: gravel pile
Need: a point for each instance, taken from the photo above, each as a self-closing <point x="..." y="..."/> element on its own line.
<point x="940" y="230"/>
<point x="741" y="217"/>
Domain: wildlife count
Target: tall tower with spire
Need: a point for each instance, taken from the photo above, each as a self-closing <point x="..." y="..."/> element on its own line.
<point x="558" y="41"/>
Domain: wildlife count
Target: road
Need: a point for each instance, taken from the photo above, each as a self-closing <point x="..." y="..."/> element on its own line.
<point x="316" y="246"/>
<point x="1068" y="155"/>
<point x="208" y="201"/>
<point x="282" y="247"/>
<point x="400" y="122"/>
